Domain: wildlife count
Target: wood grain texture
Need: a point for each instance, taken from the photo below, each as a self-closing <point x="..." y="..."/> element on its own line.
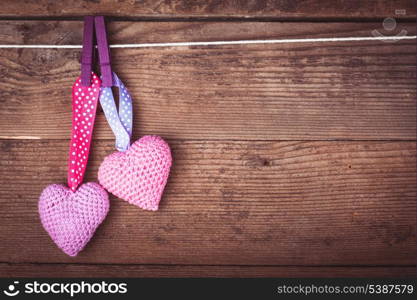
<point x="232" y="203"/>
<point x="271" y="9"/>
<point x="249" y="195"/>
<point x="123" y="271"/>
<point x="259" y="92"/>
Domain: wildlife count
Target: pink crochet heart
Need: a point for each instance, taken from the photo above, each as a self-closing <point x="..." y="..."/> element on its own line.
<point x="138" y="175"/>
<point x="71" y="218"/>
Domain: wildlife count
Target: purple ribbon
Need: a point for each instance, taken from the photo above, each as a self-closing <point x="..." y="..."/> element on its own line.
<point x="120" y="121"/>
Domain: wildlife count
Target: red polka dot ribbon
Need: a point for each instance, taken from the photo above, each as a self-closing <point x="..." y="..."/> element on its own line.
<point x="84" y="106"/>
<point x="85" y="94"/>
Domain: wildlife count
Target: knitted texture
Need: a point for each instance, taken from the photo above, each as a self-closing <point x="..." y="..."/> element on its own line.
<point x="71" y="218"/>
<point x="138" y="175"/>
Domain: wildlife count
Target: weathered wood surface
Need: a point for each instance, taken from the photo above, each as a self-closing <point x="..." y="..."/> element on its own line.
<point x="232" y="203"/>
<point x="360" y="91"/>
<point x="249" y="195"/>
<point x="287" y="9"/>
<point x="123" y="271"/>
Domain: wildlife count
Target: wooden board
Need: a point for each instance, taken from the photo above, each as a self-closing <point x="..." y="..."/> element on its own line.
<point x="239" y="203"/>
<point x="288" y="9"/>
<point x="123" y="271"/>
<point x="260" y="92"/>
<point x="291" y="160"/>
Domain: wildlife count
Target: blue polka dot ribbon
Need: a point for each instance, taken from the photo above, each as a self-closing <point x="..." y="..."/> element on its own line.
<point x="120" y="120"/>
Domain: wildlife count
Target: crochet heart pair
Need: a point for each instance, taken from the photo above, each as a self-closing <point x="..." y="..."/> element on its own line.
<point x="137" y="174"/>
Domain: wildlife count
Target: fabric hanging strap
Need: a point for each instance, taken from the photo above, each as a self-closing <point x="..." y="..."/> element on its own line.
<point x="120" y="121"/>
<point x="85" y="94"/>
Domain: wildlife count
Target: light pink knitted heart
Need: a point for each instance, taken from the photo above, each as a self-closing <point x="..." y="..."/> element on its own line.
<point x="71" y="218"/>
<point x="138" y="175"/>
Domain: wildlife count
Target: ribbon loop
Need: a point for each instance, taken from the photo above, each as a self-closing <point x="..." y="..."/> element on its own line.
<point x="120" y="121"/>
<point x="85" y="94"/>
<point x="84" y="106"/>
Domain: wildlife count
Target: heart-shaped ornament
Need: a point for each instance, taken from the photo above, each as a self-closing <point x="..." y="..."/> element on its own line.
<point x="71" y="218"/>
<point x="138" y="175"/>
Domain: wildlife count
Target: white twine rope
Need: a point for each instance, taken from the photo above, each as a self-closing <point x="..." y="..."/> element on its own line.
<point x="219" y="43"/>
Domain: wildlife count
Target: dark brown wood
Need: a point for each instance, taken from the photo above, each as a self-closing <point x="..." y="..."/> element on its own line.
<point x="288" y="9"/>
<point x="123" y="271"/>
<point x="362" y="90"/>
<point x="239" y="203"/>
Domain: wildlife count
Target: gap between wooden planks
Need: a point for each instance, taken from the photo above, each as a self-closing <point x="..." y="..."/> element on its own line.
<point x="277" y="10"/>
<point x="355" y="91"/>
<point x="157" y="271"/>
<point x="250" y="203"/>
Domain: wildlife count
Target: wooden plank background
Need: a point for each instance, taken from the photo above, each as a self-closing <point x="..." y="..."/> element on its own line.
<point x="266" y="9"/>
<point x="272" y="92"/>
<point x="289" y="160"/>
